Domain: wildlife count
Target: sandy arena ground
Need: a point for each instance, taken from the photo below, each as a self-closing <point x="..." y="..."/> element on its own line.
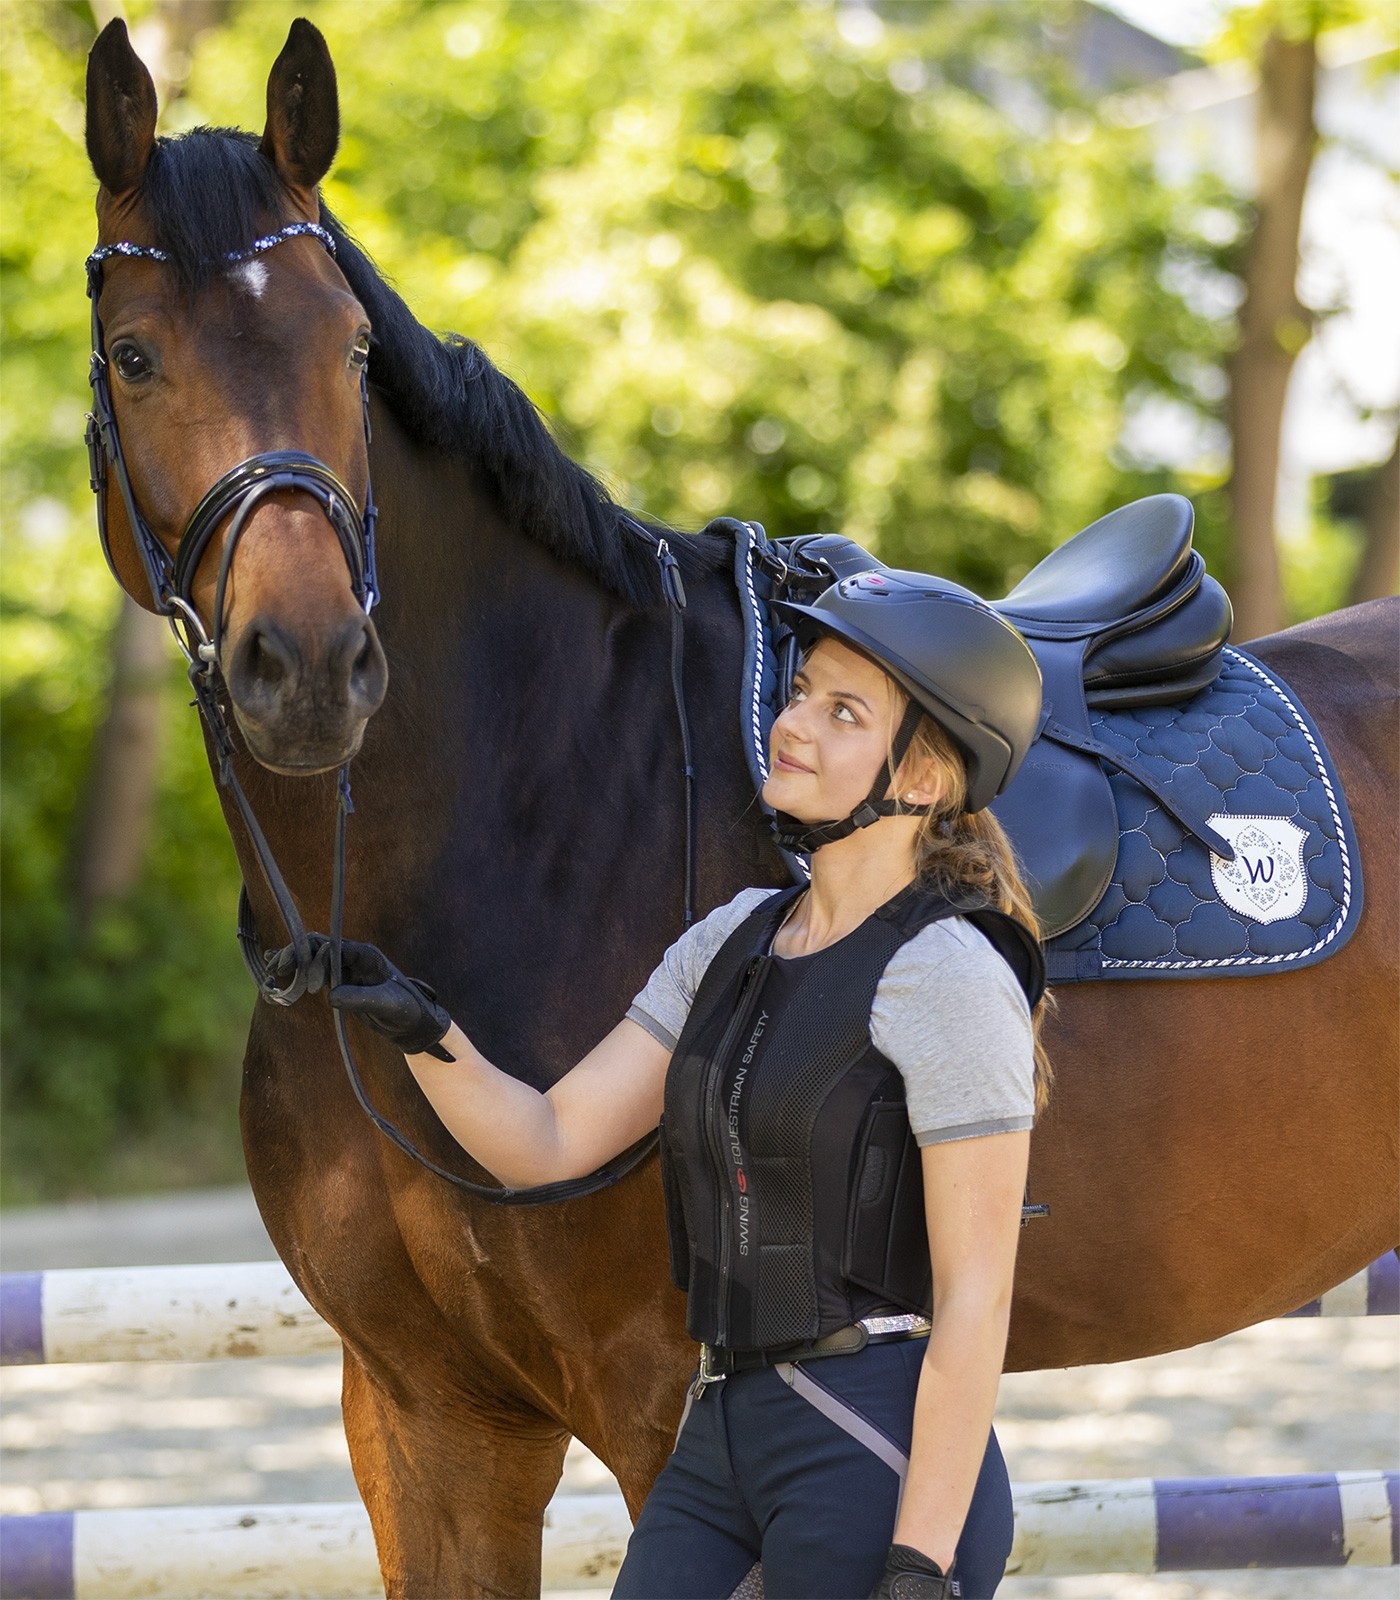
<point x="1283" y="1397"/>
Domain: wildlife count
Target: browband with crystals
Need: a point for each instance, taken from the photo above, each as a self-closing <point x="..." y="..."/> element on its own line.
<point x="150" y="252"/>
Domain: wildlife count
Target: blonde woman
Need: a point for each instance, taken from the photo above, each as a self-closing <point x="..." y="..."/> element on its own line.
<point x="848" y="1075"/>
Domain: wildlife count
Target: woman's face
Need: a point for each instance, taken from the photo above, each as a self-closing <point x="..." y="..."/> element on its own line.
<point x="833" y="737"/>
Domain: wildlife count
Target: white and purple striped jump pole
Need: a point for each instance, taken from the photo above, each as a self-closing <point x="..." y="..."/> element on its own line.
<point x="209" y="1313"/>
<point x="196" y="1313"/>
<point x="325" y="1552"/>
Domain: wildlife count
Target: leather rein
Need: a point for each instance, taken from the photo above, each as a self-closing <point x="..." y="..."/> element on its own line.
<point x="236" y="495"/>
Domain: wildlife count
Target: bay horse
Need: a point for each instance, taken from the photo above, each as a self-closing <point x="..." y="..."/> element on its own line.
<point x="1217" y="1152"/>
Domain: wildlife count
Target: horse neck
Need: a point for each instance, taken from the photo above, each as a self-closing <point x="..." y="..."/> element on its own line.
<point x="518" y="835"/>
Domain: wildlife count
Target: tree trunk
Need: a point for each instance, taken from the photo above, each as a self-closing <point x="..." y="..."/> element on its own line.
<point x="1274" y="326"/>
<point x="1379" y="571"/>
<point x="116" y="811"/>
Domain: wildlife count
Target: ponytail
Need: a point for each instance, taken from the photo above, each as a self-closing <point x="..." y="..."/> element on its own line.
<point x="959" y="851"/>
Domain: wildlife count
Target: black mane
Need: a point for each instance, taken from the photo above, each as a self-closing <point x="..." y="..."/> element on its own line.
<point x="210" y="192"/>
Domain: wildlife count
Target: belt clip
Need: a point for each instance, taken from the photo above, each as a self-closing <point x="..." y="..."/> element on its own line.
<point x="705" y="1377"/>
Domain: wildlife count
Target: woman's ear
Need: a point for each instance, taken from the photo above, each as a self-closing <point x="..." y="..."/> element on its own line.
<point x="920" y="778"/>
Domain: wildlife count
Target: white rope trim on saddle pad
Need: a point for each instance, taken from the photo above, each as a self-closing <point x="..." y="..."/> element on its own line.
<point x="1151" y="964"/>
<point x="760" y="645"/>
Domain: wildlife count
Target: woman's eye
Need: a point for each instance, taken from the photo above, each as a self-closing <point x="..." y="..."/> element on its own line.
<point x="359" y="352"/>
<point x="844" y="713"/>
<point x="130" y="363"/>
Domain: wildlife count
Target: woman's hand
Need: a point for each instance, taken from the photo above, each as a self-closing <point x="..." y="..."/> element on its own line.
<point x="607" y="1102"/>
<point x="908" y="1575"/>
<point x="403" y="1009"/>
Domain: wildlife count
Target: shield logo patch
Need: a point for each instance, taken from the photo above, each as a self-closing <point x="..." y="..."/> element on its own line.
<point x="1266" y="881"/>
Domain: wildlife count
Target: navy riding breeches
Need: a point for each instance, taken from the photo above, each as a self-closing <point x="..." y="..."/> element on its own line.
<point x="799" y="1468"/>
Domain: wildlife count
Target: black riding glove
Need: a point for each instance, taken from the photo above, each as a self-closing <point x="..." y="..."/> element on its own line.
<point x="373" y="989"/>
<point x="909" y="1575"/>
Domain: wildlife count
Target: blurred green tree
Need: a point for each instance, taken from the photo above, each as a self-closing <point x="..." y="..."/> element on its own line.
<point x="1279" y="39"/>
<point x="803" y="263"/>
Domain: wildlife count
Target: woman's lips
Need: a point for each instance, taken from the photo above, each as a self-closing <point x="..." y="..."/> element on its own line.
<point x="789" y="764"/>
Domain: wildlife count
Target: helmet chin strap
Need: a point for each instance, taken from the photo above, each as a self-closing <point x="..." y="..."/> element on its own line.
<point x="805" y="838"/>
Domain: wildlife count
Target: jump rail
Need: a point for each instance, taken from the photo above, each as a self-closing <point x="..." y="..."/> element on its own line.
<point x="326" y="1552"/>
<point x="209" y="1313"/>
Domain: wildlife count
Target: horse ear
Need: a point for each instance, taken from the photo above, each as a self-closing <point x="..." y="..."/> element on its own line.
<point x="121" y="111"/>
<point x="303" y="110"/>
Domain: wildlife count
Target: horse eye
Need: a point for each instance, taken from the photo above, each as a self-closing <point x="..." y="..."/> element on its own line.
<point x="359" y="352"/>
<point x="130" y="363"/>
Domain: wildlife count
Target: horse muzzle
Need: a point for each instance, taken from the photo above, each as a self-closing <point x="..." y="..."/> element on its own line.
<point x="301" y="700"/>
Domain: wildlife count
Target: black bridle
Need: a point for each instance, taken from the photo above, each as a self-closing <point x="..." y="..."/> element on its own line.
<point x="238" y="493"/>
<point x="284" y="976"/>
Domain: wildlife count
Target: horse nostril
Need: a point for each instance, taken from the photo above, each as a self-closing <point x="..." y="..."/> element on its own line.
<point x="264" y="662"/>
<point x="367" y="676"/>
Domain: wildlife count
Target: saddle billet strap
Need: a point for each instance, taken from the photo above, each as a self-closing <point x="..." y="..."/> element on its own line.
<point x="1216" y="843"/>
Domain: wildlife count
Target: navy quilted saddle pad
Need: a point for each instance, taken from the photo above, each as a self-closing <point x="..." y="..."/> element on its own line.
<point x="1248" y="756"/>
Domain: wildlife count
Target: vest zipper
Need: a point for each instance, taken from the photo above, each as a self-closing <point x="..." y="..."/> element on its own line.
<point x="743" y="1006"/>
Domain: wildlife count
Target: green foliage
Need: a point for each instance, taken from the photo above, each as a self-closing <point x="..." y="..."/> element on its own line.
<point x="755" y="259"/>
<point x="1246" y="27"/>
<point x="751" y="256"/>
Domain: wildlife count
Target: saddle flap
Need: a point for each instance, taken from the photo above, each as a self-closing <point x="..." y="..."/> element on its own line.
<point x="1058" y="811"/>
<point x="1111" y="569"/>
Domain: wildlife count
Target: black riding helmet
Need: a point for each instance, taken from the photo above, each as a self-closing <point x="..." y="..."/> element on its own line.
<point x="958" y="660"/>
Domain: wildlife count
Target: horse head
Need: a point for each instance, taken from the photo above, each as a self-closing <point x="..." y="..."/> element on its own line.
<point x="237" y="368"/>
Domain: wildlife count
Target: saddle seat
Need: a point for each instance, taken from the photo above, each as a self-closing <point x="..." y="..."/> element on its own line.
<point x="1114" y="568"/>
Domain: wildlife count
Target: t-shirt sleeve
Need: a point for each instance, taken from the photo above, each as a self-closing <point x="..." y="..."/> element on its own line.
<point x="951" y="1016"/>
<point x="664" y="1004"/>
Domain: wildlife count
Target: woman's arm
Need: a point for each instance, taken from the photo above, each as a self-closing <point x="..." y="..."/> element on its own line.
<point x="595" y="1111"/>
<point x="972" y="1193"/>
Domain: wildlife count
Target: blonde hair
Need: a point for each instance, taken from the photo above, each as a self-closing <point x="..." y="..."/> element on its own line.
<point x="957" y="851"/>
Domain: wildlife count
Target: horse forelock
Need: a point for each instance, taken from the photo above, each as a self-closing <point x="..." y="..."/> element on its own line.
<point x="207" y="194"/>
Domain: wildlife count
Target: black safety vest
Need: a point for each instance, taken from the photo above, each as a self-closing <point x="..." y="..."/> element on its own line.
<point x="794" y="1189"/>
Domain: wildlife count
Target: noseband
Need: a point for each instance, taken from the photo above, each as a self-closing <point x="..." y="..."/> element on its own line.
<point x="311" y="959"/>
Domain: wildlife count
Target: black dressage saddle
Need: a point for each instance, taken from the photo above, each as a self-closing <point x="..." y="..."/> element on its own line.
<point x="1122" y="614"/>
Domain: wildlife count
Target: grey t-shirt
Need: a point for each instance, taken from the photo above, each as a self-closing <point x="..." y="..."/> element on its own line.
<point x="948" y="1013"/>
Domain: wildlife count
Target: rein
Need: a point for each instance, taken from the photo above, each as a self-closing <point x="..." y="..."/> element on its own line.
<point x="238" y="493"/>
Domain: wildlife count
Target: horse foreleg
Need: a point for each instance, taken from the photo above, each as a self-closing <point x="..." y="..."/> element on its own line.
<point x="456" y="1491"/>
